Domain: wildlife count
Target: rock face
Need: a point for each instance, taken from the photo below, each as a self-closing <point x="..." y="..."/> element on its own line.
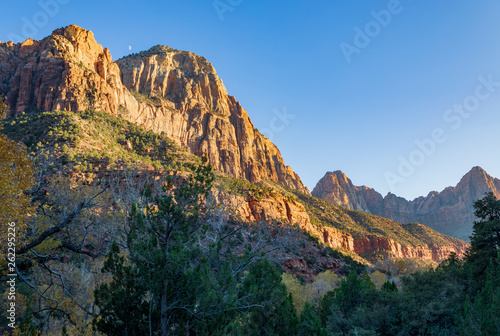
<point x="182" y="96"/>
<point x="206" y="119"/>
<point x="449" y="211"/>
<point x="368" y="246"/>
<point x="68" y="70"/>
<point x="337" y="189"/>
<point x="277" y="208"/>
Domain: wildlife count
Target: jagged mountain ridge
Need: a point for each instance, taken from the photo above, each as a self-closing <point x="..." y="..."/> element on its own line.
<point x="449" y="211"/>
<point x="69" y="70"/>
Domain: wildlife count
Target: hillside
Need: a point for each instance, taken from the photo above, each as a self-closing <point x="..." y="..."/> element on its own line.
<point x="185" y="99"/>
<point x="374" y="237"/>
<point x="89" y="144"/>
<point x="449" y="211"/>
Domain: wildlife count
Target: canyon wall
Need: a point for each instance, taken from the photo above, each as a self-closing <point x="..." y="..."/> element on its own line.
<point x="367" y="246"/>
<point x="173" y="92"/>
<point x="180" y="94"/>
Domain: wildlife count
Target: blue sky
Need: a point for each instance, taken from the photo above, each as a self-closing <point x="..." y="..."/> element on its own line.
<point x="364" y="111"/>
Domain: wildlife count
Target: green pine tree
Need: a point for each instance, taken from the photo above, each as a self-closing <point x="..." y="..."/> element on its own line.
<point x="124" y="309"/>
<point x="485" y="239"/>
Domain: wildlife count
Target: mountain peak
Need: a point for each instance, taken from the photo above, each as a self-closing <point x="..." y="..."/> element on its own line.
<point x="337" y="174"/>
<point x="476" y="176"/>
<point x="73" y="32"/>
<point x="477" y="171"/>
<point x="159" y="49"/>
<point x="163" y="90"/>
<point x="345" y="193"/>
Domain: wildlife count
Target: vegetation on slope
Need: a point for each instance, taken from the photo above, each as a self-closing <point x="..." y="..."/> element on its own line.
<point x="87" y="138"/>
<point x="361" y="223"/>
<point x="73" y="222"/>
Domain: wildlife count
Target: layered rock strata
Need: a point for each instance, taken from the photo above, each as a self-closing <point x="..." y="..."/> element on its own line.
<point x="164" y="90"/>
<point x="366" y="245"/>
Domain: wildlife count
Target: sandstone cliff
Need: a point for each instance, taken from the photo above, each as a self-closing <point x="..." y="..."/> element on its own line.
<point x="408" y="241"/>
<point x="69" y="70"/>
<point x="337" y="189"/>
<point x="449" y="212"/>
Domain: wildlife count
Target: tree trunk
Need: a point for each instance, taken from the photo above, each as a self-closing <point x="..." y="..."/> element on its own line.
<point x="164" y="320"/>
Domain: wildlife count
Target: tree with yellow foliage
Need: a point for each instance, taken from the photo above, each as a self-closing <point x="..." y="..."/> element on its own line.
<point x="378" y="278"/>
<point x="56" y="222"/>
<point x="16" y="177"/>
<point x="312" y="292"/>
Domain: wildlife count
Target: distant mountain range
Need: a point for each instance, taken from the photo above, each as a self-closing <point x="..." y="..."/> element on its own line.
<point x="449" y="211"/>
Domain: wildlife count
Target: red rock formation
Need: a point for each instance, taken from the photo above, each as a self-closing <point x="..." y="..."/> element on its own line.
<point x="69" y="70"/>
<point x="337" y="189"/>
<point x="366" y="245"/>
<point x="296" y="266"/>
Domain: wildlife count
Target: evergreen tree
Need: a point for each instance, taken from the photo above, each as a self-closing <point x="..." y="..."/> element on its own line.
<point x="124" y="309"/>
<point x="178" y="281"/>
<point x="482" y="317"/>
<point x="272" y="311"/>
<point x="349" y="294"/>
<point x="163" y="247"/>
<point x="389" y="286"/>
<point x="485" y="239"/>
<point x="310" y="323"/>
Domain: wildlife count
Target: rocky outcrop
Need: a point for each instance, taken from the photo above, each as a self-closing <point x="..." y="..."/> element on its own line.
<point x="372" y="247"/>
<point x="449" y="212"/>
<point x="276" y="208"/>
<point x="177" y="93"/>
<point x="205" y="118"/>
<point x="180" y="95"/>
<point x="68" y="70"/>
<point x="337" y="189"/>
<point x="368" y="246"/>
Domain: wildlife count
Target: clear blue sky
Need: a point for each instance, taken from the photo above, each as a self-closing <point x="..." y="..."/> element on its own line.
<point x="361" y="116"/>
